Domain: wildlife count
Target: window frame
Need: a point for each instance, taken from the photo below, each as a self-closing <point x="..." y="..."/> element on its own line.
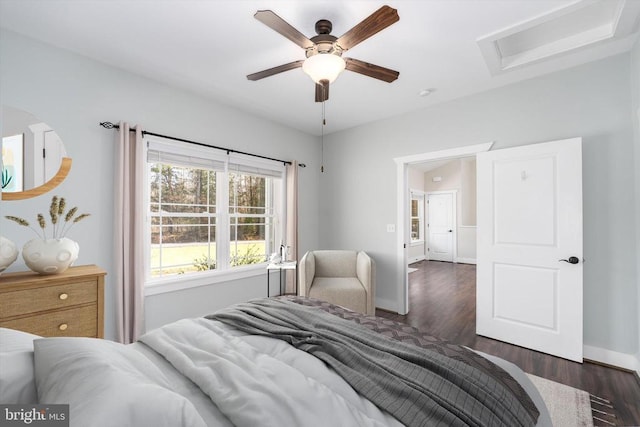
<point x="231" y="162"/>
<point x="419" y="196"/>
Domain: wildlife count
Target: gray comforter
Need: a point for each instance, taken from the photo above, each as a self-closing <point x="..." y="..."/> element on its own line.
<point x="418" y="386"/>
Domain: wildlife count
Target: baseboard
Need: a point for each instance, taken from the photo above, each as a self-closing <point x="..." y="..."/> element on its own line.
<point x="386" y="305"/>
<point x="624" y="361"/>
<point x="416" y="259"/>
<point x="465" y="260"/>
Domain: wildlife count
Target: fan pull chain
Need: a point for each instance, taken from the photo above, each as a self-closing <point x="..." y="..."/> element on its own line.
<point x="324" y="122"/>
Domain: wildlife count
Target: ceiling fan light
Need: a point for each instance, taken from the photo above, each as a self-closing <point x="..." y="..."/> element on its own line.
<point x="323" y="66"/>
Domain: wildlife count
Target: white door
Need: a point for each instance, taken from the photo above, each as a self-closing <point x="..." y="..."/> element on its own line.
<point x="529" y="272"/>
<point x="441" y="226"/>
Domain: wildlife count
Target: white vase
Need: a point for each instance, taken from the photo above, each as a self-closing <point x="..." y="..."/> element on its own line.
<point x="51" y="256"/>
<point x="8" y="253"/>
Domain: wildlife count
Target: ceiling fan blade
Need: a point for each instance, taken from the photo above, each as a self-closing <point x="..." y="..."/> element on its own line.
<point x="275" y="70"/>
<point x="279" y="25"/>
<point x="371" y="70"/>
<point x="322" y="91"/>
<point x="377" y="21"/>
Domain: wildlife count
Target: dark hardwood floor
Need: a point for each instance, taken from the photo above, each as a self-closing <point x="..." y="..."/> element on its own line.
<point x="442" y="303"/>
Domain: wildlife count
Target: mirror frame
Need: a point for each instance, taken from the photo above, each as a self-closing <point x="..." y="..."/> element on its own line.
<point x="65" y="167"/>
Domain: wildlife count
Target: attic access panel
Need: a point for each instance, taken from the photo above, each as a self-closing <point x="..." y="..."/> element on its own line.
<point x="581" y="25"/>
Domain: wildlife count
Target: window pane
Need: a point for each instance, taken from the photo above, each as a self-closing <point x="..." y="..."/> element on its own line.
<point x="251" y="232"/>
<point x="183" y="222"/>
<point x="414" y="207"/>
<point x="247" y="252"/>
<point x="171" y="229"/>
<point x="415" y="228"/>
<point x="187" y="255"/>
<point x="248" y="241"/>
<point x="247" y="194"/>
<point x="181" y="189"/>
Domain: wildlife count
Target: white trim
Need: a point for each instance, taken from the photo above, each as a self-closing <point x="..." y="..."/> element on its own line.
<point x="169" y="284"/>
<point x="441" y="192"/>
<point x="385" y="304"/>
<point x="463" y="260"/>
<point x="402" y="163"/>
<point x="417" y="258"/>
<point x="452" y="153"/>
<point x="402" y="271"/>
<point x="613" y="358"/>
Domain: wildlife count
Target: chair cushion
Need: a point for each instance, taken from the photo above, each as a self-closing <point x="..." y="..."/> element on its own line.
<point x="345" y="291"/>
<point x="335" y="263"/>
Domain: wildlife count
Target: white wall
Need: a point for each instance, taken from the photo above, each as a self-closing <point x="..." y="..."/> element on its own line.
<point x="73" y="94"/>
<point x="592" y="101"/>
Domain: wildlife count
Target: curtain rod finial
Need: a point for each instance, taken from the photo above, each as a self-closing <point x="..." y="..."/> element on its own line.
<point x="109" y="125"/>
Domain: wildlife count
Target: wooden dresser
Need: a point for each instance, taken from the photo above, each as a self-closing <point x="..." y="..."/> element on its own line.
<point x="66" y="304"/>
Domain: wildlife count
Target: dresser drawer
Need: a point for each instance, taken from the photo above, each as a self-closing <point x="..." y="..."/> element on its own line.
<point x="67" y="304"/>
<point x="73" y="322"/>
<point x="47" y="298"/>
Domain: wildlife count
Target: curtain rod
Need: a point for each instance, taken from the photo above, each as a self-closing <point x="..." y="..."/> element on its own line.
<point x="109" y="125"/>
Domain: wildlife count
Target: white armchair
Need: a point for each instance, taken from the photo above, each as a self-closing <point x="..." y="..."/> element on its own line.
<point x="341" y="277"/>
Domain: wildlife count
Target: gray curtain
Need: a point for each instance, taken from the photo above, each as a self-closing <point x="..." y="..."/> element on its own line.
<point x="129" y="211"/>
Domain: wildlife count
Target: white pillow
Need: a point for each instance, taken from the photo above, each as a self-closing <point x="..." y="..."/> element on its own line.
<point x="17" y="380"/>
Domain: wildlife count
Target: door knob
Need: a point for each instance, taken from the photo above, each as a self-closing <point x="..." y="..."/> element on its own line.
<point x="571" y="260"/>
<point x="450" y="231"/>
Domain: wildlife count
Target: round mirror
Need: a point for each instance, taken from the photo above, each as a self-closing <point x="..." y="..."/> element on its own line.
<point x="34" y="159"/>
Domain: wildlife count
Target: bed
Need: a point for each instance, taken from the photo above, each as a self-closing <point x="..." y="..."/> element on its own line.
<point x="283" y="361"/>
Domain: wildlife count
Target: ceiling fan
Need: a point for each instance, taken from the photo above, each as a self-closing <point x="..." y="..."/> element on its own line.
<point x="324" y="51"/>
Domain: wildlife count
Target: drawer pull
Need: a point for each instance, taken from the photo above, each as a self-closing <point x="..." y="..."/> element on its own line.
<point x="63" y="327"/>
<point x="63" y="296"/>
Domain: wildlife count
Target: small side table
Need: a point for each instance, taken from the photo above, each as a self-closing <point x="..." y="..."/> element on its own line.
<point x="282" y="267"/>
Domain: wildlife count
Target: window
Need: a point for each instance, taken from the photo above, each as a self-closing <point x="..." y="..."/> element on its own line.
<point x="252" y="218"/>
<point x="417" y="217"/>
<point x="209" y="212"/>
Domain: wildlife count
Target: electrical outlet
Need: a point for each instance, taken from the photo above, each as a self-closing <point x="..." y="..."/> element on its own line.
<point x="391" y="228"/>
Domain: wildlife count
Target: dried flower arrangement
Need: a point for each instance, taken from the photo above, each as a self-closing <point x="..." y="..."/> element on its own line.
<point x="56" y="212"/>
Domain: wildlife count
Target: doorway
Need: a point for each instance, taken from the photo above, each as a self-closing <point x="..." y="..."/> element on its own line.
<point x="531" y="201"/>
<point x="403" y="234"/>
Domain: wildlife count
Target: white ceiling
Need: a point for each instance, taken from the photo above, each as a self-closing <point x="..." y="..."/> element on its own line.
<point x="209" y="46"/>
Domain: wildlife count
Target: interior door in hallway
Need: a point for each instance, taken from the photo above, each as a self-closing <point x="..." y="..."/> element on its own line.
<point x="441" y="224"/>
<point x="529" y="272"/>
